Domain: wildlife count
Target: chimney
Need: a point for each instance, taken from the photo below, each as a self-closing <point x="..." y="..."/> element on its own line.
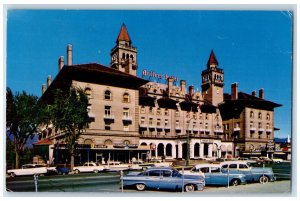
<point x="49" y="80"/>
<point x="234" y="91"/>
<point x="43" y="88"/>
<point x="191" y="90"/>
<point x="61" y="63"/>
<point x="261" y="93"/>
<point x="183" y="86"/>
<point x="253" y="93"/>
<point x="69" y="55"/>
<point x="170" y="85"/>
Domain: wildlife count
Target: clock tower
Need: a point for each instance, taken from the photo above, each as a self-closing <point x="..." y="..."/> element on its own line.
<point x="123" y="55"/>
<point x="212" y="81"/>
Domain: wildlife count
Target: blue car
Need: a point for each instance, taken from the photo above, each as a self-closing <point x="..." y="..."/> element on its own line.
<point x="215" y="175"/>
<point x="253" y="174"/>
<point x="164" y="178"/>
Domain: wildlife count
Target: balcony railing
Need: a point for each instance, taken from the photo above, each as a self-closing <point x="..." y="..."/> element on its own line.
<point x="109" y="116"/>
<point x="218" y="130"/>
<point x="252" y="129"/>
<point x="143" y="125"/>
<point x="127" y="118"/>
<point x="236" y="129"/>
<point x="178" y="128"/>
<point x="268" y="130"/>
<point x="261" y="130"/>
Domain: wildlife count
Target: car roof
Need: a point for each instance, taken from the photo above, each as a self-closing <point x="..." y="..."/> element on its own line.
<point x="207" y="165"/>
<point x="233" y="162"/>
<point x="160" y="168"/>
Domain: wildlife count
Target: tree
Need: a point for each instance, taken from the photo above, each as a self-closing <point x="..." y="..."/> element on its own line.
<point x="69" y="116"/>
<point x="21" y="120"/>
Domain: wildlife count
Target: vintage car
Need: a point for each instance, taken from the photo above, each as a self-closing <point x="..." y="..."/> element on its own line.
<point x="116" y="166"/>
<point x="165" y="178"/>
<point x="277" y="160"/>
<point x="156" y="163"/>
<point x="88" y="167"/>
<point x="136" y="165"/>
<point x="253" y="174"/>
<point x="215" y="175"/>
<point x="28" y="169"/>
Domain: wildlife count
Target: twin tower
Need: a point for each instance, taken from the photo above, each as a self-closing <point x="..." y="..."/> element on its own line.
<point x="124" y="58"/>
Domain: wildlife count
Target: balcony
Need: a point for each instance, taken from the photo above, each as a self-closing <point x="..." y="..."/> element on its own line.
<point x="152" y="127"/>
<point x="237" y="129"/>
<point x="218" y="130"/>
<point x="195" y="130"/>
<point x="109" y="117"/>
<point x="167" y="128"/>
<point x="261" y="130"/>
<point x="202" y="130"/>
<point x="159" y="127"/>
<point x="127" y="118"/>
<point x="207" y="130"/>
<point x="252" y="129"/>
<point x="143" y="125"/>
<point x="178" y="128"/>
<point x="268" y="130"/>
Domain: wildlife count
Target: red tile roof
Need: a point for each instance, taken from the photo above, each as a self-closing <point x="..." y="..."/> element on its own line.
<point x="43" y="142"/>
<point x="212" y="60"/>
<point x="123" y="35"/>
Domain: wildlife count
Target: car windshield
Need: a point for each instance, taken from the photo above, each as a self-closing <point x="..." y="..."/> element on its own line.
<point x="175" y="173"/>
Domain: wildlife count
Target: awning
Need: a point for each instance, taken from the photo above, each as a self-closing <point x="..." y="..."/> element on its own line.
<point x="279" y="153"/>
<point x="251" y="153"/>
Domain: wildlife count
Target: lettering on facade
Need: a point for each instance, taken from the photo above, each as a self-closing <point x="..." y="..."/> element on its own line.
<point x="206" y="141"/>
<point x="152" y="74"/>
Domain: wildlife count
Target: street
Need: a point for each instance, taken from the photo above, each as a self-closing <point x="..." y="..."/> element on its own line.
<point x="110" y="183"/>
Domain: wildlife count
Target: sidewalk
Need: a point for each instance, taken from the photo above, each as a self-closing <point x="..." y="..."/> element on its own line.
<point x="277" y="188"/>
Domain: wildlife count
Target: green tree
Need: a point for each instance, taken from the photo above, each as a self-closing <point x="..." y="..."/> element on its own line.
<point x="21" y="120"/>
<point x="69" y="116"/>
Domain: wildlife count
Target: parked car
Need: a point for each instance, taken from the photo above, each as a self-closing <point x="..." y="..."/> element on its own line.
<point x="88" y="167"/>
<point x="253" y="174"/>
<point x="156" y="163"/>
<point x="215" y="175"/>
<point x="165" y="178"/>
<point x="264" y="159"/>
<point x="28" y="169"/>
<point x="116" y="166"/>
<point x="277" y="160"/>
<point x="59" y="169"/>
<point x="136" y="165"/>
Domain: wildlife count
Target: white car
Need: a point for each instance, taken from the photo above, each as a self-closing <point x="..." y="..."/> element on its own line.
<point x="88" y="167"/>
<point x="28" y="169"/>
<point x="116" y="166"/>
<point x="277" y="160"/>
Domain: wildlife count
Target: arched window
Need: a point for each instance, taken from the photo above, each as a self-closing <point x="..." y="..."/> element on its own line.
<point x="268" y="116"/>
<point x="88" y="92"/>
<point x="259" y="115"/>
<point x="251" y="114"/>
<point x="169" y="150"/>
<point x="107" y="95"/>
<point x="126" y="98"/>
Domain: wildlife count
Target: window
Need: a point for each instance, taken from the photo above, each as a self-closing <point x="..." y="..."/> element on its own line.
<point x="166" y="173"/>
<point x="259" y="115"/>
<point x="177" y="113"/>
<point x="154" y="173"/>
<point x="166" y="122"/>
<point x="107" y="95"/>
<point x="143" y="110"/>
<point x="150" y="121"/>
<point x="126" y="98"/>
<point x="107" y="126"/>
<point x="88" y="92"/>
<point x="243" y="166"/>
<point x="158" y="122"/>
<point x="143" y="120"/>
<point x="177" y="123"/>
<point x="206" y="116"/>
<point x="233" y="166"/>
<point x="107" y="110"/>
<point x="268" y="117"/>
<point x="204" y="169"/>
<point x="126" y="112"/>
<point x="215" y="170"/>
<point x="151" y="110"/>
<point x="251" y="114"/>
<point x="200" y="116"/>
<point x="158" y="111"/>
<point x="166" y="112"/>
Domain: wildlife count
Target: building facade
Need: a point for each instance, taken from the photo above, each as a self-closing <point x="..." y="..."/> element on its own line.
<point x="132" y="118"/>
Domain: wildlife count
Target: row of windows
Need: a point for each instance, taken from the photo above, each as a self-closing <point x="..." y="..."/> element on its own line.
<point x="160" y="111"/>
<point x="237" y="125"/>
<point x="108" y="95"/>
<point x="260" y="116"/>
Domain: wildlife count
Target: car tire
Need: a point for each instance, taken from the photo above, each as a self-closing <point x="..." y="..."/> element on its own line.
<point x="12" y="174"/>
<point x="96" y="171"/>
<point x="76" y="171"/>
<point x="263" y="179"/>
<point x="235" y="182"/>
<point x="189" y="188"/>
<point x="140" y="187"/>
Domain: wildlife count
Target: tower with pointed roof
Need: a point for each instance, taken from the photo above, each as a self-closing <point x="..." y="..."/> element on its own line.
<point x="123" y="55"/>
<point x="212" y="81"/>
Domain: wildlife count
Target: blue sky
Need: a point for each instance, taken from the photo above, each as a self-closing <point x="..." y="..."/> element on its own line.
<point x="254" y="48"/>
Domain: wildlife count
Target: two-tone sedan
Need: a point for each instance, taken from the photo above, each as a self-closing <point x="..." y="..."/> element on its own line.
<point x="164" y="178"/>
<point x="215" y="175"/>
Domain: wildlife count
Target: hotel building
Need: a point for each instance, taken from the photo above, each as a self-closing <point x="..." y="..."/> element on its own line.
<point x="134" y="118"/>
